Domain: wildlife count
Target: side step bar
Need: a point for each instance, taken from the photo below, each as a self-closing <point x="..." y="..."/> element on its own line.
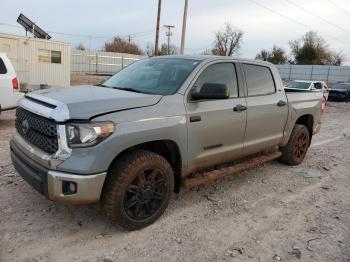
<point x="199" y="179"/>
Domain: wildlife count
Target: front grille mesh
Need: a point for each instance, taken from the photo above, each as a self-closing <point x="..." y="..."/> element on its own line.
<point x="37" y="130"/>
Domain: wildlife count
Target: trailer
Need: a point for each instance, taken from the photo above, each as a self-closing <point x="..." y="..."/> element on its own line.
<point x="38" y="62"/>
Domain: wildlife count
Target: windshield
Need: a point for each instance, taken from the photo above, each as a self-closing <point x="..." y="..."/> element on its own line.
<point x="299" y="85"/>
<point x="341" y="86"/>
<point x="162" y="76"/>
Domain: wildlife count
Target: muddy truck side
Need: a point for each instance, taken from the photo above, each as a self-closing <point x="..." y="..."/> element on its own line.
<point x="156" y="126"/>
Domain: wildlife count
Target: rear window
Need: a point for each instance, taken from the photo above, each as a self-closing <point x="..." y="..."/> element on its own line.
<point x="259" y="80"/>
<point x="3" y="69"/>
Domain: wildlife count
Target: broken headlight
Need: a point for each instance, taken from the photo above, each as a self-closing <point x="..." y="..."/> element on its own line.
<point x="88" y="134"/>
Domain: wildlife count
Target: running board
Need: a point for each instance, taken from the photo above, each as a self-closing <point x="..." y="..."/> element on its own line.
<point x="199" y="179"/>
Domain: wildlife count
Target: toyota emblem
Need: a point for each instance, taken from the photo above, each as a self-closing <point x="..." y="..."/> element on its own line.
<point x="25" y="126"/>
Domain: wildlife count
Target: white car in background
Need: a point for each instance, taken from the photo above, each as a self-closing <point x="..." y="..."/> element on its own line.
<point x="9" y="86"/>
<point x="305" y="85"/>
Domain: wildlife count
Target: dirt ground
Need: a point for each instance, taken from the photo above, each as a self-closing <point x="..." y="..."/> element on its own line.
<point x="83" y="79"/>
<point x="271" y="213"/>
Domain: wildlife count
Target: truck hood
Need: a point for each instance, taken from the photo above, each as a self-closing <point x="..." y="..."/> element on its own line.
<point x="85" y="102"/>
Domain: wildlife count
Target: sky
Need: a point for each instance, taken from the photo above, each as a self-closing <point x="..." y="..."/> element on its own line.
<point x="263" y="22"/>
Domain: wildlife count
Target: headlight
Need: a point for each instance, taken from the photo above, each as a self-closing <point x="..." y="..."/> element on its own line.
<point x="88" y="134"/>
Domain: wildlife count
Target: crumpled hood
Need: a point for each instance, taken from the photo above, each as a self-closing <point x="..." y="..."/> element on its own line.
<point x="85" y="102"/>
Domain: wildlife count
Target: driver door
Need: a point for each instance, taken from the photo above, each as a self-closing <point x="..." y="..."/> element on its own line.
<point x="215" y="128"/>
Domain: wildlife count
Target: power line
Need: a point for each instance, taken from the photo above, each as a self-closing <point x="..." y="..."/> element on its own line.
<point x="133" y="35"/>
<point x="339" y="7"/>
<point x="318" y="16"/>
<point x="293" y="20"/>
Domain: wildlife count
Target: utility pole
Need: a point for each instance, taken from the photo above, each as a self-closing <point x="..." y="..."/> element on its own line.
<point x="169" y="34"/>
<point x="184" y="21"/>
<point x="157" y="30"/>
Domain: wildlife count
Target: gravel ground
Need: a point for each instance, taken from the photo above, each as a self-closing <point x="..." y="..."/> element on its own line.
<point x="270" y="213"/>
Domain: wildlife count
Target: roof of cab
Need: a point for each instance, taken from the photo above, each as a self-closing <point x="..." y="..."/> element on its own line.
<point x="213" y="58"/>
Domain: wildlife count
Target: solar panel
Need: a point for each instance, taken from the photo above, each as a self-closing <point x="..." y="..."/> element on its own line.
<point x="32" y="27"/>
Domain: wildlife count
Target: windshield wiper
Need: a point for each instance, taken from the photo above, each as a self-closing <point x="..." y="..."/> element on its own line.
<point x="101" y="85"/>
<point x="129" y="89"/>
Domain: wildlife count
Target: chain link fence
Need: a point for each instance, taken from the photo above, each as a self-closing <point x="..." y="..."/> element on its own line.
<point x="93" y="67"/>
<point x="315" y="72"/>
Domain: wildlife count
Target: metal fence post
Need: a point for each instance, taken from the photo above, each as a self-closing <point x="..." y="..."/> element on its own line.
<point x="96" y="63"/>
<point x="122" y="61"/>
<point x="329" y="68"/>
<point x="290" y="72"/>
<point x="312" y="71"/>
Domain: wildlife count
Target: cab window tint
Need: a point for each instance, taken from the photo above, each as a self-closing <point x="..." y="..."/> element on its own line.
<point x="259" y="80"/>
<point x="3" y="69"/>
<point x="223" y="73"/>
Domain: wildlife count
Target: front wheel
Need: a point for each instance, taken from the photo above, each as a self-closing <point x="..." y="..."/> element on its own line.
<point x="294" y="152"/>
<point x="138" y="189"/>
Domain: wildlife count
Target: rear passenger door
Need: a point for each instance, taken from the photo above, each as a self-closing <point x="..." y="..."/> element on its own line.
<point x="6" y="93"/>
<point x="267" y="109"/>
<point x="215" y="130"/>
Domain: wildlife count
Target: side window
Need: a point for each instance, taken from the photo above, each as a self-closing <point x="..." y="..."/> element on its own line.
<point x="44" y="55"/>
<point x="222" y="73"/>
<point x="49" y="56"/>
<point x="318" y="85"/>
<point x="56" y="57"/>
<point x="3" y="69"/>
<point x="259" y="80"/>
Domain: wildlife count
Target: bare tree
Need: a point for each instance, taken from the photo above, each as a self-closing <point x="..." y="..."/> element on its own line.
<point x="149" y="50"/>
<point x="227" y="42"/>
<point x="173" y="50"/>
<point x="206" y="52"/>
<point x="81" y="47"/>
<point x="119" y="45"/>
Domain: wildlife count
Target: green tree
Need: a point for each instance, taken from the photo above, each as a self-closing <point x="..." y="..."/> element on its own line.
<point x="275" y="56"/>
<point x="312" y="49"/>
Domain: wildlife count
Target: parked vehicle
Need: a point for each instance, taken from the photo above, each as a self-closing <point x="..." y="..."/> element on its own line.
<point x="9" y="86"/>
<point x="305" y="85"/>
<point x="133" y="140"/>
<point x="340" y="92"/>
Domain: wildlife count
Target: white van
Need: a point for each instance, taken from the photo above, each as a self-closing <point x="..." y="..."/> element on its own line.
<point x="9" y="86"/>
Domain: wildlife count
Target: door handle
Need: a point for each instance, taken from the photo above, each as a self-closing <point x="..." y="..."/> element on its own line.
<point x="195" y="118"/>
<point x="239" y="108"/>
<point x="281" y="103"/>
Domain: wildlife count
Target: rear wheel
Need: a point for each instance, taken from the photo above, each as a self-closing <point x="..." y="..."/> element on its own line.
<point x="138" y="189"/>
<point x="294" y="152"/>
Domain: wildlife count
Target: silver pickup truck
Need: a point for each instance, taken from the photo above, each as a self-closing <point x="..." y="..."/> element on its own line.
<point x="157" y="125"/>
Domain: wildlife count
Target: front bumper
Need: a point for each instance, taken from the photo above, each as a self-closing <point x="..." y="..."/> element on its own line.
<point x="54" y="184"/>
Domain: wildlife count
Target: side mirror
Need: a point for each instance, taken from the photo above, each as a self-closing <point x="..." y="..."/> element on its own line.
<point x="211" y="91"/>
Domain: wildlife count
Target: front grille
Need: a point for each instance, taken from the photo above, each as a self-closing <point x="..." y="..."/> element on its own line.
<point x="37" y="130"/>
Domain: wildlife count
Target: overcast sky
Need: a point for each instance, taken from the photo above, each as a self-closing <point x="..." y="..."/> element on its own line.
<point x="262" y="28"/>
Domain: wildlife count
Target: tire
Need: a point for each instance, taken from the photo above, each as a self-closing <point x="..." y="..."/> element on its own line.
<point x="294" y="152"/>
<point x="138" y="189"/>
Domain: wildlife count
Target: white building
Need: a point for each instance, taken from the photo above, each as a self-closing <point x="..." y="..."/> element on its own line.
<point x="38" y="61"/>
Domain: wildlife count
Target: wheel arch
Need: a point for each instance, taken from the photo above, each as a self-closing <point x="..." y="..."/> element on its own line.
<point x="167" y="149"/>
<point x="307" y="121"/>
